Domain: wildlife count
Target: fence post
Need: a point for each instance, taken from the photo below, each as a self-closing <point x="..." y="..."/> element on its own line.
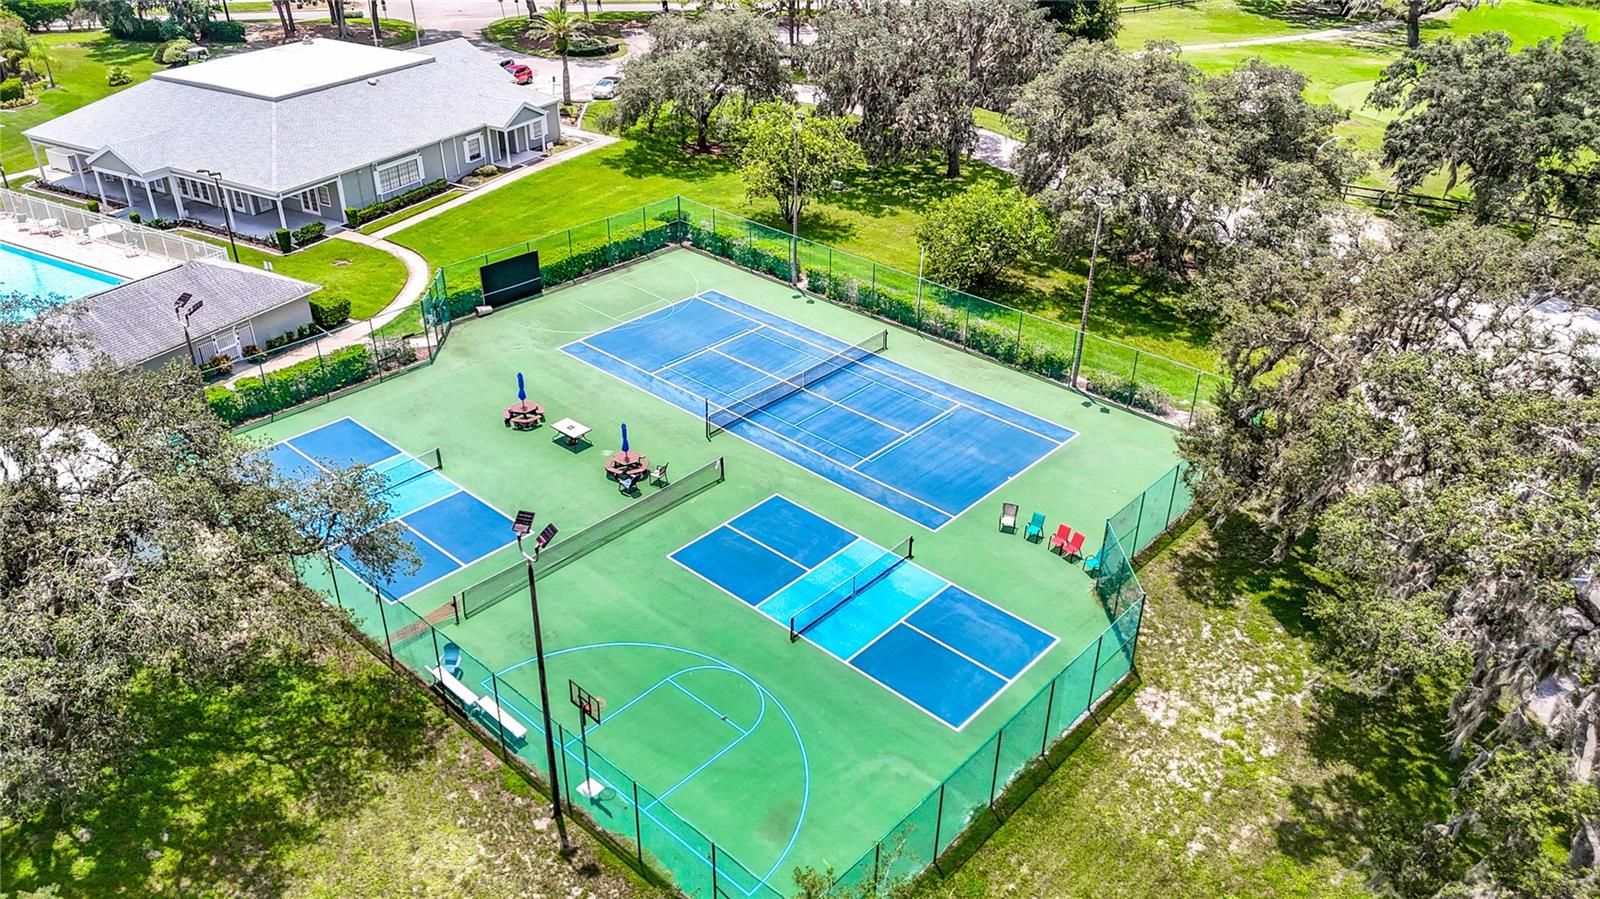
<point x="713" y="871"/>
<point x="608" y="240"/>
<point x="387" y="647"/>
<point x="1094" y="673"/>
<point x="875" y="288"/>
<point x="1194" y="401"/>
<point x="494" y="685"/>
<point x="638" y="831"/>
<point x="566" y="782"/>
<point x="1016" y="355"/>
<point x="1172" y="499"/>
<point x="1049" y="709"/>
<point x="994" y="776"/>
<point x="437" y="658"/>
<point x="1135" y="375"/>
<point x="938" y="825"/>
<point x="334" y="577"/>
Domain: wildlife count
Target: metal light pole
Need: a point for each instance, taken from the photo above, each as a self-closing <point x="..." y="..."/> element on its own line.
<point x="186" y="305"/>
<point x="417" y="26"/>
<point x="544" y="698"/>
<point x="794" y="204"/>
<point x="227" y="211"/>
<point x="1100" y="201"/>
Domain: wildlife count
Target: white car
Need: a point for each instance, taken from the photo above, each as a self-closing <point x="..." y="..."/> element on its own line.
<point x="607" y="87"/>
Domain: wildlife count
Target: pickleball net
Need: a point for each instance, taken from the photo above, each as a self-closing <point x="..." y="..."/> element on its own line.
<point x="720" y="416"/>
<point x="816" y="611"/>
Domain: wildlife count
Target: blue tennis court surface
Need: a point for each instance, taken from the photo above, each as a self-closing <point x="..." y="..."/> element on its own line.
<point x="447" y="527"/>
<point x="908" y="441"/>
<point x="944" y="650"/>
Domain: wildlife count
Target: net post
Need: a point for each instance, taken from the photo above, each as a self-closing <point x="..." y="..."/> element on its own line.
<point x="708" y="418"/>
<point x="455" y="608"/>
<point x="388" y="647"/>
<point x="499" y="727"/>
<point x="638" y="830"/>
<point x="911" y="546"/>
<point x="1049" y="709"/>
<point x="994" y="776"/>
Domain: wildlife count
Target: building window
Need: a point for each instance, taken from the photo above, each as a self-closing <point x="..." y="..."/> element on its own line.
<point x="397" y="176"/>
<point x="317" y="197"/>
<point x="474" y="147"/>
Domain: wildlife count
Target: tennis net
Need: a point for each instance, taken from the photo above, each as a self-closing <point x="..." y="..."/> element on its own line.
<point x="406" y="468"/>
<point x="848" y="589"/>
<point x="498" y="586"/>
<point x="719" y="417"/>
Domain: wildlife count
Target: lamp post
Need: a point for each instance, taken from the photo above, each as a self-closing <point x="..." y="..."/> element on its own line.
<point x="794" y="204"/>
<point x="227" y="212"/>
<point x="520" y="527"/>
<point x="186" y="305"/>
<point x="1101" y="199"/>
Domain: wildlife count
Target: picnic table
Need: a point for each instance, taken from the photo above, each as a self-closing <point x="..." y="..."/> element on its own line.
<point x="623" y="464"/>
<point x="524" y="415"/>
<point x="573" y="430"/>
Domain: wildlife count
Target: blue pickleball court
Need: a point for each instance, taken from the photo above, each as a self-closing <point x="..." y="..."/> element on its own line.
<point x="935" y="645"/>
<point x="447" y="527"/>
<point x="901" y="438"/>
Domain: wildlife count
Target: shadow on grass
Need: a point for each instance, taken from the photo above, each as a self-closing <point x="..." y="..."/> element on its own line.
<point x="1234" y="566"/>
<point x="668" y="152"/>
<point x="912" y="185"/>
<point x="1307" y="13"/>
<point x="230" y="781"/>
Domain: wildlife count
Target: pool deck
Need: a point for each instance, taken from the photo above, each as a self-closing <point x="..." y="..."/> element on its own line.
<point x="113" y="259"/>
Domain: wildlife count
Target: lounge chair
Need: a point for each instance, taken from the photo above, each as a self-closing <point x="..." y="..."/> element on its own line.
<point x="659" y="475"/>
<point x="1008" y="517"/>
<point x="1035" y="528"/>
<point x="1059" y="540"/>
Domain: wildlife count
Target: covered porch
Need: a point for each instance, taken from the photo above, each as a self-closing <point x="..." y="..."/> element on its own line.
<point x="165" y="198"/>
<point x="518" y="146"/>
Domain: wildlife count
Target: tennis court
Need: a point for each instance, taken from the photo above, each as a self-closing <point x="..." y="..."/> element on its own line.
<point x="912" y="443"/>
<point x="719" y="731"/>
<point x="447" y="527"/>
<point x="933" y="644"/>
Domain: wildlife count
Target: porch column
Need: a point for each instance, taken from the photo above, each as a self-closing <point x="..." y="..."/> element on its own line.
<point x="282" y="221"/>
<point x="338" y="183"/>
<point x="155" y="211"/>
<point x="37" y="161"/>
<point x="100" y="187"/>
<point x="177" y="197"/>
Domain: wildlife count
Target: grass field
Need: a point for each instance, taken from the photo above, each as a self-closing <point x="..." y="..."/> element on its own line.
<point x="332" y="778"/>
<point x="82" y="61"/>
<point x="812" y="792"/>
<point x="396" y="218"/>
<point x="1217" y="21"/>
<point x="1240" y="767"/>
<point x="367" y="277"/>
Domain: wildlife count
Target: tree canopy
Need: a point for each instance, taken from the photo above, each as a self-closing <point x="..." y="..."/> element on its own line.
<point x="778" y="164"/>
<point x="972" y="237"/>
<point x="1189" y="164"/>
<point x="1519" y="127"/>
<point x="1411" y="12"/>
<point x="140" y="535"/>
<point x="697" y="62"/>
<point x="1396" y="401"/>
<point x="916" y="70"/>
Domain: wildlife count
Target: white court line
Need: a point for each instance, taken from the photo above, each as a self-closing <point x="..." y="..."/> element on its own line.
<point x="724" y="718"/>
<point x="904" y="438"/>
<point x="807" y="390"/>
<point x="762" y="543"/>
<point x="958" y="652"/>
<point x="710" y="348"/>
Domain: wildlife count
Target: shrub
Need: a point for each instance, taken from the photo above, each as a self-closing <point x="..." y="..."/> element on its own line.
<point x="223" y="31"/>
<point x="973" y="236"/>
<point x="92" y="205"/>
<point x="250" y="353"/>
<point x="172" y="30"/>
<point x="277" y="390"/>
<point x="221" y="364"/>
<point x="383" y="207"/>
<point x="133" y="216"/>
<point x="173" y="52"/>
<point x="309" y="233"/>
<point x="1129" y="392"/>
<point x="281" y="237"/>
<point x="11" y="89"/>
<point x="486" y="171"/>
<point x="352" y="216"/>
<point x="118" y="76"/>
<point x="329" y="312"/>
<point x="147" y="30"/>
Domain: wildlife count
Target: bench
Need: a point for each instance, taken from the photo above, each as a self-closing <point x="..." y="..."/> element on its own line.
<point x="457" y="689"/>
<point x="508" y="723"/>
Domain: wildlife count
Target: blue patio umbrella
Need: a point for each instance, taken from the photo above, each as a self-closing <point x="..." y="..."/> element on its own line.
<point x="624" y="436"/>
<point x="522" y="394"/>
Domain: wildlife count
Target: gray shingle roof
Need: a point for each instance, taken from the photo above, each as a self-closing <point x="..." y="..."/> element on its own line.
<point x="311" y="133"/>
<point x="135" y="321"/>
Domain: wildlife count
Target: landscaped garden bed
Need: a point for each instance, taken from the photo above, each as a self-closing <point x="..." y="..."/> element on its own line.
<point x="602" y="40"/>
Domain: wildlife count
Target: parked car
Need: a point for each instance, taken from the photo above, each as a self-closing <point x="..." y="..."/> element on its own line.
<point x="519" y="73"/>
<point x="607" y="87"/>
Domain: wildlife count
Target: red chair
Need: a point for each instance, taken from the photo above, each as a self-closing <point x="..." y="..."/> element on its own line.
<point x="1058" y="540"/>
<point x="1074" y="548"/>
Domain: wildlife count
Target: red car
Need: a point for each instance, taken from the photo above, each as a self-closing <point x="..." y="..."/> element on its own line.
<point x="519" y="73"/>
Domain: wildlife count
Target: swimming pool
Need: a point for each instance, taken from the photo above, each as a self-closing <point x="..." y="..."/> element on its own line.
<point x="47" y="279"/>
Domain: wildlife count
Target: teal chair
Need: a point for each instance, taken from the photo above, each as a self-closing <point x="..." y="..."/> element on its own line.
<point x="1035" y="528"/>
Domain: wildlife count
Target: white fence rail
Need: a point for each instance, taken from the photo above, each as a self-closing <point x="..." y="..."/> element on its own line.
<point x="106" y="229"/>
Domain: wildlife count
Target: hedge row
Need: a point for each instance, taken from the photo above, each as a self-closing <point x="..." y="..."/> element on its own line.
<point x="277" y="390"/>
<point x="394" y="204"/>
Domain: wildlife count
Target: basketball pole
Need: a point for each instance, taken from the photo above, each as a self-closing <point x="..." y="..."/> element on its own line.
<point x="544" y="706"/>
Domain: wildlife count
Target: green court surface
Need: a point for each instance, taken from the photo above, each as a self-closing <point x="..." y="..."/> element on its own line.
<point x="776" y="751"/>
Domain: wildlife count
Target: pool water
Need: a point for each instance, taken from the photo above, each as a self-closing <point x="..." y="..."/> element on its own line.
<point x="47" y="280"/>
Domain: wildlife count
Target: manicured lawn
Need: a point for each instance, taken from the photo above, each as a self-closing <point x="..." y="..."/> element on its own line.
<point x="333" y="778"/>
<point x="1239" y="767"/>
<point x="989" y="120"/>
<point x="876" y="216"/>
<point x="82" y="61"/>
<point x="377" y="225"/>
<point x="1525" y="21"/>
<point x="1216" y="21"/>
<point x="368" y="277"/>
